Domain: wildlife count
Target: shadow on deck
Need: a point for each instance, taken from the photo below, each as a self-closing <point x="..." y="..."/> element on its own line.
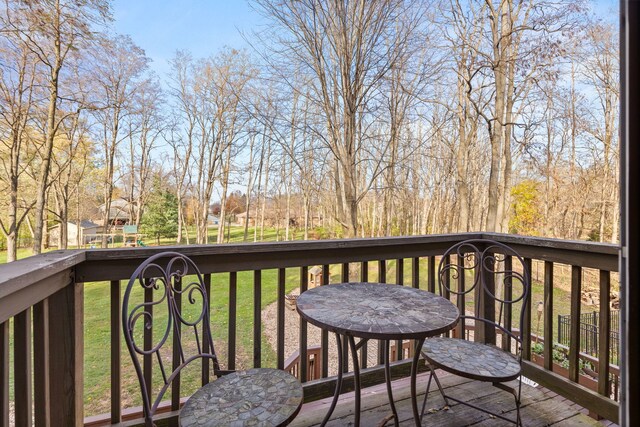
<point x="540" y="407"/>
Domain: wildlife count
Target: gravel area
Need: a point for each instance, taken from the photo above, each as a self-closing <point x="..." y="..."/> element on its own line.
<point x="291" y="335"/>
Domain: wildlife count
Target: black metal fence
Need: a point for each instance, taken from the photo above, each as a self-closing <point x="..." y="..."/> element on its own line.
<point x="589" y="333"/>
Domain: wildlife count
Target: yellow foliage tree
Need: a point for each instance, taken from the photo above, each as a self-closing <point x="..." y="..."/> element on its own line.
<point x="526" y="215"/>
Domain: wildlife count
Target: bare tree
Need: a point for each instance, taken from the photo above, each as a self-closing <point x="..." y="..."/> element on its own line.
<point x="146" y="127"/>
<point x="182" y="132"/>
<point x="602" y="72"/>
<point x="347" y="47"/>
<point x="218" y="85"/>
<point x="518" y="43"/>
<point x="117" y="80"/>
<point x="17" y="80"/>
<point x="51" y="30"/>
<point x="70" y="162"/>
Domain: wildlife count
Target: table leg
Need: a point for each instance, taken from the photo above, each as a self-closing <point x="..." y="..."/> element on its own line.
<point x="414" y="373"/>
<point x="387" y="377"/>
<point x="356" y="378"/>
<point x="338" y="382"/>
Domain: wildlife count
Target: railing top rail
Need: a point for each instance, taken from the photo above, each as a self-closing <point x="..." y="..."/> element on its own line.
<point x="26" y="282"/>
<point x="596" y="255"/>
<point x="24" y="272"/>
<point x="118" y="264"/>
<point x="52" y="270"/>
<point x="548" y="242"/>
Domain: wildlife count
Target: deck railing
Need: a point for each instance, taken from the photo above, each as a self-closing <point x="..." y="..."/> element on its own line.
<point x="42" y="302"/>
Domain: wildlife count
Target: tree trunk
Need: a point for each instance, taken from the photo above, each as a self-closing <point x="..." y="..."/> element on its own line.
<point x="499" y="28"/>
<point x="223" y="202"/>
<point x="45" y="167"/>
<point x="247" y="206"/>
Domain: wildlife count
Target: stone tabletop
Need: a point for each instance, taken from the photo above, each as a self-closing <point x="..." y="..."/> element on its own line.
<point x="256" y="397"/>
<point x="379" y="311"/>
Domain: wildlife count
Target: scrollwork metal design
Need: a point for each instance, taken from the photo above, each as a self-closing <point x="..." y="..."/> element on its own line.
<point x="481" y="261"/>
<point x="169" y="275"/>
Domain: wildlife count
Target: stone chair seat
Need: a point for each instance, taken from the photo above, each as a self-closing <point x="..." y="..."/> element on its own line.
<point x="477" y="361"/>
<point x="256" y="397"/>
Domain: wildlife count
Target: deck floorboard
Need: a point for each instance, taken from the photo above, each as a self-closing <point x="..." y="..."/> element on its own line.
<point x="540" y="407"/>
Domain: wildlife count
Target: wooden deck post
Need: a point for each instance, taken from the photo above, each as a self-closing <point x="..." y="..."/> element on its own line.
<point x="66" y="355"/>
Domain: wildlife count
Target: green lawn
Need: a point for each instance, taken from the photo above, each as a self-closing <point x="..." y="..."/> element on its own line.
<point x="22" y="253"/>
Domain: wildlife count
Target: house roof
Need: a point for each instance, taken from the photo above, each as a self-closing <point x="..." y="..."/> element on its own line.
<point x="85" y="223"/>
<point x="119" y="209"/>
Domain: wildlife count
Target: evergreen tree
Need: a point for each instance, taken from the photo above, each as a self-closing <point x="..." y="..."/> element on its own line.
<point x="160" y="218"/>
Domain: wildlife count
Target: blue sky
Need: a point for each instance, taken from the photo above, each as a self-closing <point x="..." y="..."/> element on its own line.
<point x="161" y="27"/>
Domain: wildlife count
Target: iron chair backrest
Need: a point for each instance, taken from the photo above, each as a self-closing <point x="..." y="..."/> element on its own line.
<point x="160" y="282"/>
<point x="491" y="264"/>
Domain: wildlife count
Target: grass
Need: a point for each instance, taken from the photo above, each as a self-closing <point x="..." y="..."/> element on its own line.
<point x="22" y="253"/>
<point x="236" y="235"/>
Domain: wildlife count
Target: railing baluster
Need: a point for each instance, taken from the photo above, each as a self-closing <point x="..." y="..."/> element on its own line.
<point x="116" y="349"/>
<point x="382" y="271"/>
<point x="364" y="277"/>
<point x="233" y="304"/>
<point x="345" y="343"/>
<point x="444" y="288"/>
<point x="415" y="282"/>
<point x="257" y="319"/>
<point x="206" y="346"/>
<point x="364" y="271"/>
<point x="280" y="337"/>
<point x="382" y="278"/>
<point x="4" y="375"/>
<point x="460" y="299"/>
<point x="41" y="384"/>
<point x="345" y="272"/>
<point x="604" y="338"/>
<point x="484" y="332"/>
<point x="508" y="310"/>
<point x="22" y="367"/>
<point x="324" y="335"/>
<point x="431" y="275"/>
<point x="526" y="327"/>
<point x="574" y="332"/>
<point x="304" y="283"/>
<point x="548" y="315"/>
<point x="177" y="349"/>
<point x="147" y="338"/>
<point x="447" y="285"/>
<point x="415" y="272"/>
<point x="400" y="282"/>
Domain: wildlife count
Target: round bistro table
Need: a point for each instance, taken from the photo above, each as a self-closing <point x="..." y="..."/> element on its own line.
<point x="376" y="311"/>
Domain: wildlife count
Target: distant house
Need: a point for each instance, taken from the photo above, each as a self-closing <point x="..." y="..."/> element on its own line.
<point x="86" y="231"/>
<point x="213" y="220"/>
<point x="242" y="219"/>
<point x="118" y="212"/>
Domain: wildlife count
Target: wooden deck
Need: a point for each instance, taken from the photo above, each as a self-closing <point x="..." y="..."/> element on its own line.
<point x="540" y="407"/>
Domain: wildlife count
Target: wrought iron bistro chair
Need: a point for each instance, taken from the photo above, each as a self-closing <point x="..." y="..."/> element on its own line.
<point x="498" y="291"/>
<point x="158" y="330"/>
